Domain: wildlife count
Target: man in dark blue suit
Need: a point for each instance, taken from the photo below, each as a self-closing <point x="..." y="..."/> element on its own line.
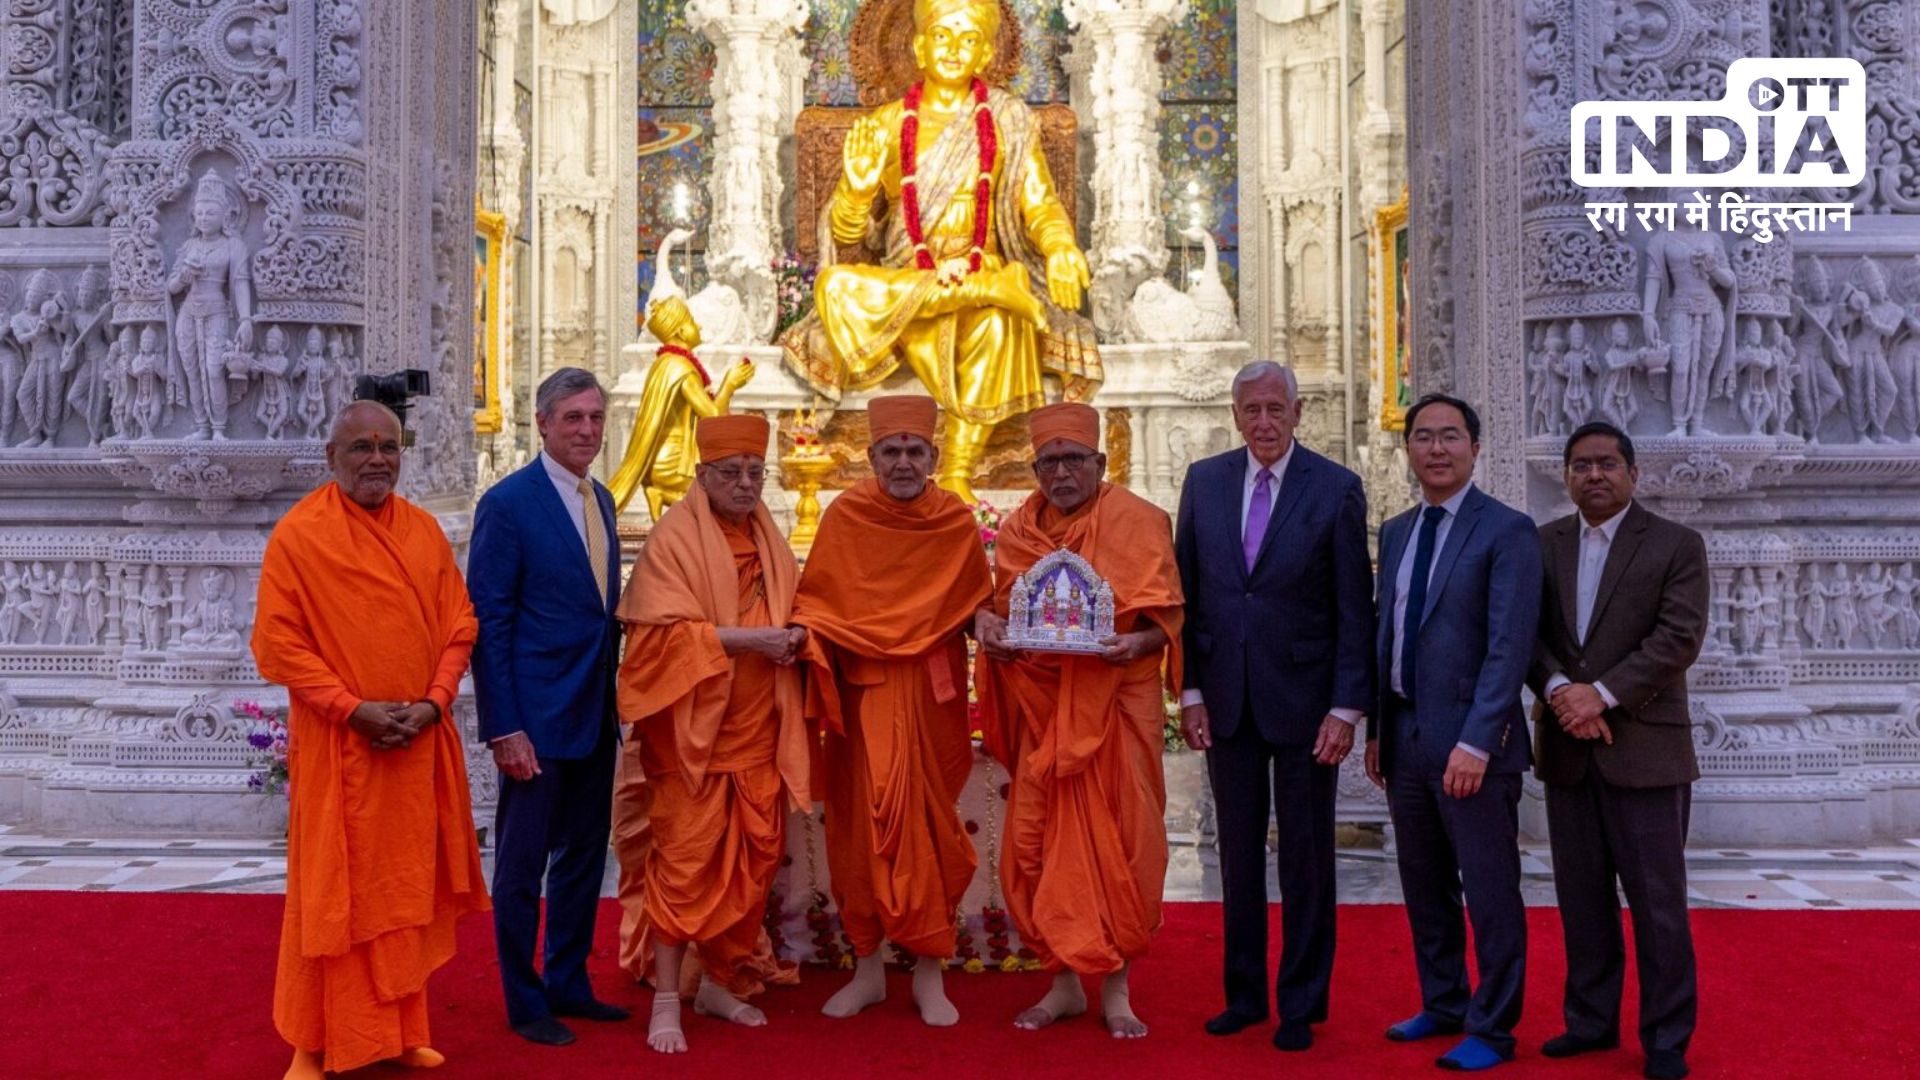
<point x="1272" y="548"/>
<point x="544" y="573"/>
<point x="1460" y="579"/>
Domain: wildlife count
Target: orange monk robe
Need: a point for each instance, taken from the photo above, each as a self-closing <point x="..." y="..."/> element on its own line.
<point x="722" y="740"/>
<point x="888" y="589"/>
<point x="1084" y="855"/>
<point x="381" y="860"/>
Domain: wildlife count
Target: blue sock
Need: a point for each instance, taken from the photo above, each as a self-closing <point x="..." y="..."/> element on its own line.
<point x="1418" y="1027"/>
<point x="1472" y="1055"/>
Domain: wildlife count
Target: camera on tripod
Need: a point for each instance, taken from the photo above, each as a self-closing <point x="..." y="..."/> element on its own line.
<point x="396" y="390"/>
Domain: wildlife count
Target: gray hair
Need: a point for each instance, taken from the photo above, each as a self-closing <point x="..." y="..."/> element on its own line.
<point x="1262" y="369"/>
<point x="563" y="384"/>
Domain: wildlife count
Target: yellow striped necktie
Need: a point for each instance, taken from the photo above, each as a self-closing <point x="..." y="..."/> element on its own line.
<point x="596" y="538"/>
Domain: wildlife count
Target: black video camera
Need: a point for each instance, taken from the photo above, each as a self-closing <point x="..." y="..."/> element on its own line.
<point x="396" y="390"/>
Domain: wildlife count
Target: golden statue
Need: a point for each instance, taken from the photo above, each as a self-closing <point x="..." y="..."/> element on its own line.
<point x="661" y="454"/>
<point x="948" y="193"/>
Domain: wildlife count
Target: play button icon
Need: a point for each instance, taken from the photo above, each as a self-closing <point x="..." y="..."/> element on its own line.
<point x="1766" y="94"/>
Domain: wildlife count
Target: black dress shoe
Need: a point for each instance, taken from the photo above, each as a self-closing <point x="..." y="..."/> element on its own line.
<point x="1665" y="1065"/>
<point x="1569" y="1045"/>
<point x="546" y="1031"/>
<point x="1231" y="1023"/>
<point x="592" y="1009"/>
<point x="1293" y="1035"/>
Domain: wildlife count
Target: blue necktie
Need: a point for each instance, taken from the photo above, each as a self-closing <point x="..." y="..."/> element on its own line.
<point x="1417" y="595"/>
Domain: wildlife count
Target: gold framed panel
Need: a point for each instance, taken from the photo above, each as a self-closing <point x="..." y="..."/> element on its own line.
<point x="1393" y="299"/>
<point x="489" y="258"/>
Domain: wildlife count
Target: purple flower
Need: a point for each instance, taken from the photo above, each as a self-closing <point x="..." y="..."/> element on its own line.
<point x="259" y="740"/>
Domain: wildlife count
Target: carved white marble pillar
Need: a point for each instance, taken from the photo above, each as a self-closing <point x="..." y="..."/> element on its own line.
<point x="583" y="185"/>
<point x="1129" y="232"/>
<point x="502" y="155"/>
<point x="754" y="43"/>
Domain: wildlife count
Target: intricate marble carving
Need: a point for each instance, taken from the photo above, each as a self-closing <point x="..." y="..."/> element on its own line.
<point x="1763" y="383"/>
<point x="1121" y="112"/>
<point x="197" y="187"/>
<point x="756" y="49"/>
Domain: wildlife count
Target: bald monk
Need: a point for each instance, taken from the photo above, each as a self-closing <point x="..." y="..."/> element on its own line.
<point x="363" y="617"/>
<point x="709" y="683"/>
<point x="1084" y="855"/>
<point x="891" y="585"/>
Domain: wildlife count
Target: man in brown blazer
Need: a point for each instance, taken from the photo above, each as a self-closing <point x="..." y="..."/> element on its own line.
<point x="1623" y="617"/>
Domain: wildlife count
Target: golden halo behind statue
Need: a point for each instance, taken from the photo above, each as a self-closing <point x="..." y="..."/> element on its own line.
<point x="881" y="50"/>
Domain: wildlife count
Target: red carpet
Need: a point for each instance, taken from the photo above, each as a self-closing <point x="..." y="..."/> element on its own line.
<point x="151" y="985"/>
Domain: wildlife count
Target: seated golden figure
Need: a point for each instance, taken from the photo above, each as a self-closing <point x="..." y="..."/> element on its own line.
<point x="661" y="454"/>
<point x="947" y="192"/>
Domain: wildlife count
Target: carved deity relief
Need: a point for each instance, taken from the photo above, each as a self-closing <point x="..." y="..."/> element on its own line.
<point x="211" y="623"/>
<point x="211" y="273"/>
<point x="1686" y="305"/>
<point x="43" y="327"/>
<point x="1869" y="318"/>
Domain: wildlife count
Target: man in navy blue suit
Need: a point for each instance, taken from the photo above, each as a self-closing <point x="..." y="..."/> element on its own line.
<point x="1272" y="548"/>
<point x="1460" y="581"/>
<point x="544" y="575"/>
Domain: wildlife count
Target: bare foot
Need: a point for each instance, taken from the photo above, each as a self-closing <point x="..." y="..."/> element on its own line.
<point x="930" y="994"/>
<point x="713" y="1000"/>
<point x="306" y="1066"/>
<point x="867" y="987"/>
<point x="1117" y="1006"/>
<point x="1065" y="998"/>
<point x="663" y="1030"/>
<point x="422" y="1057"/>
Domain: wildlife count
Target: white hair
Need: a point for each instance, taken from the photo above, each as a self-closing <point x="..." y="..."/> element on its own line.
<point x="1262" y="369"/>
<point x="563" y="384"/>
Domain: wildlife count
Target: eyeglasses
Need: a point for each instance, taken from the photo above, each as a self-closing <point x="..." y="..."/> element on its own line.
<point x="1584" y="467"/>
<point x="1053" y="462"/>
<point x="756" y="477"/>
<point x="1451" y="438"/>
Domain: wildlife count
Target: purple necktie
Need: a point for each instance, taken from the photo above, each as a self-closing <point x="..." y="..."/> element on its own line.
<point x="1258" y="511"/>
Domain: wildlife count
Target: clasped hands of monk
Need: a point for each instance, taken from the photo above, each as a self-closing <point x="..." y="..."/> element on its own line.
<point x="392" y="725"/>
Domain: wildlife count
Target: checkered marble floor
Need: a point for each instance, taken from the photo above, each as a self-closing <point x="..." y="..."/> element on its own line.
<point x="1779" y="878"/>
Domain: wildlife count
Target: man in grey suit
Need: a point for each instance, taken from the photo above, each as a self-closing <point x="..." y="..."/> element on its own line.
<point x="1623" y="618"/>
<point x="1459" y="602"/>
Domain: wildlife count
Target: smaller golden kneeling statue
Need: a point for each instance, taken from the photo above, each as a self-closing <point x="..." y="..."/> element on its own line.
<point x="660" y="454"/>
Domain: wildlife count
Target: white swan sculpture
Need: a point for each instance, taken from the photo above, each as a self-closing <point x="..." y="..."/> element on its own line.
<point x="717" y="309"/>
<point x="1204" y="312"/>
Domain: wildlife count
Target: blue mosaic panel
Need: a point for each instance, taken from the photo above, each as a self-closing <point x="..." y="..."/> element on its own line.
<point x="1044" y="41"/>
<point x="675" y="135"/>
<point x="675" y="159"/>
<point x="830" y="73"/>
<point x="1199" y="151"/>
<point x="1201" y="54"/>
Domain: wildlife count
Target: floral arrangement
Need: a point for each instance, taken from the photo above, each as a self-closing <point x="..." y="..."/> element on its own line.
<point x="988" y="519"/>
<point x="1170" y="732"/>
<point x="793" y="291"/>
<point x="269" y="742"/>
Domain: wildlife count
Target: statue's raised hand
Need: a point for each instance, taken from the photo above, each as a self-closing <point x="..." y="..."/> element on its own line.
<point x="1067" y="277"/>
<point x="865" y="155"/>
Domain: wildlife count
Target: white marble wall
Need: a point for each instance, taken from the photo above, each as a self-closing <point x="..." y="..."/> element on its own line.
<point x="1805" y="703"/>
<point x="328" y="145"/>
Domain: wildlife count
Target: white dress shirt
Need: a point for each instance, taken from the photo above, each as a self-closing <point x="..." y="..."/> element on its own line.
<point x="568" y="485"/>
<point x="1247" y="486"/>
<point x="1596" y="541"/>
<point x="1403" y="583"/>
